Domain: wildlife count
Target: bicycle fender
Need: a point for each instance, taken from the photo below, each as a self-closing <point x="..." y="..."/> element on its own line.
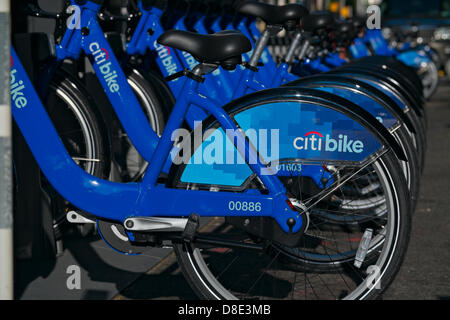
<point x="328" y="119"/>
<point x="362" y="88"/>
<point x="414" y="106"/>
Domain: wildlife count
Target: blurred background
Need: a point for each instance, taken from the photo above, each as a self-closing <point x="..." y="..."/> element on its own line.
<point x="416" y="21"/>
<point x="423" y="21"/>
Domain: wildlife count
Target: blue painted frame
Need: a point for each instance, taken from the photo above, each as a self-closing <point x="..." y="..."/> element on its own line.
<point x="118" y="202"/>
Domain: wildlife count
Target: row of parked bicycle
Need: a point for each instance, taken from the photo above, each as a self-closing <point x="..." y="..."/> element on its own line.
<point x="293" y="178"/>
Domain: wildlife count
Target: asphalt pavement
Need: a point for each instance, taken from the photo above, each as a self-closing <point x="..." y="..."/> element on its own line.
<point x="425" y="273"/>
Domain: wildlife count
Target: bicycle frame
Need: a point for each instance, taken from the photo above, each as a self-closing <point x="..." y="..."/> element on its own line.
<point x="118" y="202"/>
<point x="89" y="38"/>
<point x="274" y="75"/>
<point x="141" y="43"/>
<point x="270" y="75"/>
<point x="219" y="86"/>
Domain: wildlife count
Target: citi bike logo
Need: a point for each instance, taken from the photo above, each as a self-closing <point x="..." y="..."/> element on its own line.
<point x="315" y="141"/>
<point x="166" y="58"/>
<point x="101" y="57"/>
<point x="17" y="87"/>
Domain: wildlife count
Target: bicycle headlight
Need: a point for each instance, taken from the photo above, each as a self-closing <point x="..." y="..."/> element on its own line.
<point x="387" y="33"/>
<point x="442" y="33"/>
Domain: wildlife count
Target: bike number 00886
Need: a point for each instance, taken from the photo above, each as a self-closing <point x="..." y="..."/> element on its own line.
<point x="245" y="206"/>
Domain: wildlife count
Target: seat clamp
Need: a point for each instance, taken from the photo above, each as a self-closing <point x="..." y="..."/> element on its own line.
<point x="283" y="60"/>
<point x="249" y="66"/>
<point x="187" y="73"/>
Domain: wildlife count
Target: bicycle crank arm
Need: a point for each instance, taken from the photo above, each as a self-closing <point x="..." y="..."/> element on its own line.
<point x="146" y="224"/>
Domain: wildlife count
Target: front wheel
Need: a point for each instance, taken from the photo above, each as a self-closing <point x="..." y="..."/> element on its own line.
<point x="429" y="76"/>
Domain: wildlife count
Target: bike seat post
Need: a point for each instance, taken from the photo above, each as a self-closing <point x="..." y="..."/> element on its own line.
<point x="263" y="41"/>
<point x="304" y="49"/>
<point x="290" y="56"/>
<point x="276" y="18"/>
<point x="204" y="68"/>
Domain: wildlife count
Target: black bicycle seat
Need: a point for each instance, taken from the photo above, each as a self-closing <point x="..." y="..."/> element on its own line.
<point x="271" y="14"/>
<point x="344" y="31"/>
<point x="344" y="27"/>
<point x="318" y="20"/>
<point x="223" y="48"/>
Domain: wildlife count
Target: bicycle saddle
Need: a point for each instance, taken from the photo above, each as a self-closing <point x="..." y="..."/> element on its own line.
<point x="318" y="20"/>
<point x="344" y="27"/>
<point x="223" y="48"/>
<point x="344" y="31"/>
<point x="271" y="14"/>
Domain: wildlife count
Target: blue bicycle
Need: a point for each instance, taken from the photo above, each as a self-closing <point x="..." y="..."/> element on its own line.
<point x="143" y="42"/>
<point x="264" y="171"/>
<point x="150" y="21"/>
<point x="169" y="62"/>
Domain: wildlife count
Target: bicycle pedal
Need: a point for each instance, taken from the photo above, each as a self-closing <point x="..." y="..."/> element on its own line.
<point x="191" y="227"/>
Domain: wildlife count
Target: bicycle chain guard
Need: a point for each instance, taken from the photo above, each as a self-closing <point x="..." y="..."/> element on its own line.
<point x="116" y="237"/>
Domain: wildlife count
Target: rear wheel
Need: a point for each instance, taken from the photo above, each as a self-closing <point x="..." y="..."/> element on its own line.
<point x="372" y="199"/>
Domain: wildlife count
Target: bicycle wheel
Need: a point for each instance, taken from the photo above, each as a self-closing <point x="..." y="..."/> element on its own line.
<point x="429" y="76"/>
<point x="323" y="268"/>
<point x="419" y="122"/>
<point x="80" y="128"/>
<point x="228" y="261"/>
